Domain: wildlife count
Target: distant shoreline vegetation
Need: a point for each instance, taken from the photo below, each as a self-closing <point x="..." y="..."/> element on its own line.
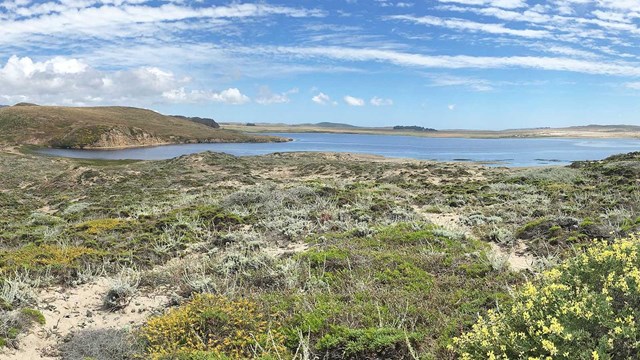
<point x="204" y="121"/>
<point x="414" y="128"/>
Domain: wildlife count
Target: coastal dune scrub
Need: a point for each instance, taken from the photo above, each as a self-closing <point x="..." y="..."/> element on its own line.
<point x="60" y="260"/>
<point x="212" y="326"/>
<point x="584" y="308"/>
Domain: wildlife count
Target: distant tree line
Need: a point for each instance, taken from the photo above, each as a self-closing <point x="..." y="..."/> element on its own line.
<point x="413" y="128"/>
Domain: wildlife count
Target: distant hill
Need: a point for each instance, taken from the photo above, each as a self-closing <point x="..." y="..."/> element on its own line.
<point x="326" y="124"/>
<point x="108" y="127"/>
<point x="204" y="121"/>
<point x="607" y="127"/>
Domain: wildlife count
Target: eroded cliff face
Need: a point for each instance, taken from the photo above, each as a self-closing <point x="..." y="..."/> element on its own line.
<point x="103" y="137"/>
<point x="126" y="137"/>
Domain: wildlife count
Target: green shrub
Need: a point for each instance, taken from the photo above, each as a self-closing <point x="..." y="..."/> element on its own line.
<point x="331" y="259"/>
<point x="371" y="343"/>
<point x="33" y="315"/>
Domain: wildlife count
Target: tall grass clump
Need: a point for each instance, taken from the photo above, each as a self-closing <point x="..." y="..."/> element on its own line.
<point x="585" y="308"/>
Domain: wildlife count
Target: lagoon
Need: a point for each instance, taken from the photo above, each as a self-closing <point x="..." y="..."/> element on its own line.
<point x="510" y="152"/>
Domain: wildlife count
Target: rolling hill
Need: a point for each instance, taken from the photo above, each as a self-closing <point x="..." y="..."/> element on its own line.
<point x="107" y="127"/>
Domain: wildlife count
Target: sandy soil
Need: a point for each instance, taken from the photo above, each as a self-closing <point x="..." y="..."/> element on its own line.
<point x="516" y="256"/>
<point x="70" y="309"/>
<point x="290" y="249"/>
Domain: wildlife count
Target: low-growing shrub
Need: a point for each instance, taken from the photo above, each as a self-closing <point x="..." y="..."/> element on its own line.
<point x="585" y="308"/>
<point x="98" y="226"/>
<point x="38" y="258"/>
<point x="216" y="325"/>
<point x="102" y="344"/>
<point x="372" y="343"/>
<point x="33" y="315"/>
<point x="17" y="291"/>
<point x="122" y="289"/>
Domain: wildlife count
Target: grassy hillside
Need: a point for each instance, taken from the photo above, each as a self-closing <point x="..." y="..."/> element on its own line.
<point x="105" y="127"/>
<point x="333" y="125"/>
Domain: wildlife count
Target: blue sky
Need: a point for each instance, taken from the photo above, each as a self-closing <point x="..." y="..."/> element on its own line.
<point x="481" y="64"/>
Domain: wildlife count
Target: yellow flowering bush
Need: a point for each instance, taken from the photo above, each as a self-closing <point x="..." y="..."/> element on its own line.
<point x="215" y="325"/>
<point x="586" y="308"/>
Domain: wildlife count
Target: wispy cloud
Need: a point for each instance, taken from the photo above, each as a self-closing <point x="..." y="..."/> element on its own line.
<point x="509" y="4"/>
<point x="462" y="61"/>
<point x="109" y="21"/>
<point x="467" y="82"/>
<point x="267" y="97"/>
<point x="461" y="24"/>
<point x="633" y="85"/>
<point x="376" y="101"/>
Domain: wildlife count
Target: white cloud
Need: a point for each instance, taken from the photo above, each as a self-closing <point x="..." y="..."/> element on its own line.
<point x="461" y="24"/>
<point x="633" y="85"/>
<point x="73" y="82"/>
<point x="376" y="101"/>
<point x="231" y="96"/>
<point x="451" y="107"/>
<point x="400" y="4"/>
<point x="321" y="98"/>
<point x="507" y="4"/>
<point x="462" y="61"/>
<point x="451" y="80"/>
<point x="353" y="101"/>
<point x="120" y="19"/>
<point x="267" y="97"/>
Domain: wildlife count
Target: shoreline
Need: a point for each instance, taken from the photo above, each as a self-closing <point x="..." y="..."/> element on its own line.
<point x="329" y="155"/>
<point x="142" y="146"/>
<point x="569" y="133"/>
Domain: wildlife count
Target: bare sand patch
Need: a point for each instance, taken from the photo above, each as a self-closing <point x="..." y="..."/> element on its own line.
<point x="290" y="249"/>
<point x="71" y="309"/>
<point x="516" y="256"/>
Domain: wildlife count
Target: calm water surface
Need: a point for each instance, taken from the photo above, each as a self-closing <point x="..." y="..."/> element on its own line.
<point x="502" y="152"/>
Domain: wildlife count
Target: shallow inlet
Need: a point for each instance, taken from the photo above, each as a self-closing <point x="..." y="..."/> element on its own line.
<point x="495" y="152"/>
